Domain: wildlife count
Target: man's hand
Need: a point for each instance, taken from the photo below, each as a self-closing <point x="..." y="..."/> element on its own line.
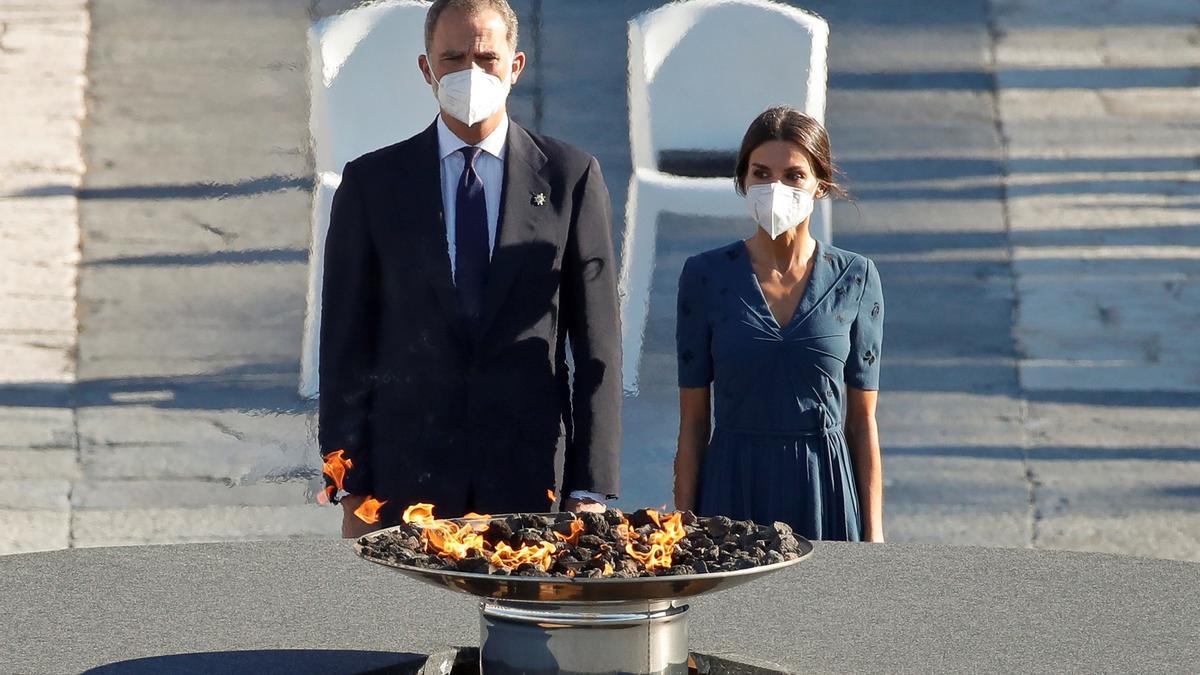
<point x="583" y="505"/>
<point x="352" y="526"/>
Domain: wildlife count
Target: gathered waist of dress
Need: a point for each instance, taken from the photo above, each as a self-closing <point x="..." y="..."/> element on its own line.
<point x="814" y="430"/>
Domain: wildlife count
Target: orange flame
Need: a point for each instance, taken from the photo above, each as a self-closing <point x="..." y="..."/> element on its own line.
<point x="335" y="467"/>
<point x="455" y="540"/>
<point x="661" y="542"/>
<point x="550" y="494"/>
<point x="576" y="530"/>
<point x="368" y="511"/>
<point x="541" y="555"/>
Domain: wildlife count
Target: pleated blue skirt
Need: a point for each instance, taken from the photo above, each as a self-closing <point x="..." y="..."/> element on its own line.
<point x="806" y="481"/>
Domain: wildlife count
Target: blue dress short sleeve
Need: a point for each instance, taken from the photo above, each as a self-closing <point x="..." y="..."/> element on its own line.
<point x="693" y="331"/>
<point x="866" y="335"/>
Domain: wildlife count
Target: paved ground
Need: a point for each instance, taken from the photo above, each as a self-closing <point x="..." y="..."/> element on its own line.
<point x="1025" y="178"/>
<point x="42" y="50"/>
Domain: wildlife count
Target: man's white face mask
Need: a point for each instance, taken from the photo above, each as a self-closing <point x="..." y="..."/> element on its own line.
<point x="778" y="208"/>
<point x="472" y="95"/>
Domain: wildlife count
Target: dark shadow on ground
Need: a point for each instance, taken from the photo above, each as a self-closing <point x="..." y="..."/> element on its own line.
<point x="1023" y="78"/>
<point x="213" y="190"/>
<point x="266" y="387"/>
<point x="243" y="257"/>
<point x="1073" y="454"/>
<point x="272" y="662"/>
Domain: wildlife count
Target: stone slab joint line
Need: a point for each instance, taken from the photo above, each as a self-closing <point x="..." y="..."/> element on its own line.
<point x="43" y="56"/>
<point x="1033" y="514"/>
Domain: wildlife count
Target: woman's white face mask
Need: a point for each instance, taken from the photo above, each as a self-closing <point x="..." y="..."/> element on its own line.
<point x="472" y="95"/>
<point x="778" y="208"/>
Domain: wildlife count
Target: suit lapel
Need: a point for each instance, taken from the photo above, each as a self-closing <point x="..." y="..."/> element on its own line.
<point x="523" y="220"/>
<point x="425" y="175"/>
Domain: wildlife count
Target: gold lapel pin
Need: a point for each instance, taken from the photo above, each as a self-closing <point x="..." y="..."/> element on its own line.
<point x="539" y="199"/>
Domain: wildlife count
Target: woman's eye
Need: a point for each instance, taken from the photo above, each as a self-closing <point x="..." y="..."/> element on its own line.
<point x="761" y="174"/>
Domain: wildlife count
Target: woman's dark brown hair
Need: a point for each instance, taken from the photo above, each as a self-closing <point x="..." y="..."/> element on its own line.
<point x="783" y="123"/>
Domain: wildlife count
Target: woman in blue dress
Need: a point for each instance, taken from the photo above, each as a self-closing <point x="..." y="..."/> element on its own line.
<point x="779" y="341"/>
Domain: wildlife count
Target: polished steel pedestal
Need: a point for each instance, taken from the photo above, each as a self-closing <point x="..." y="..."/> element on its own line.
<point x="643" y="637"/>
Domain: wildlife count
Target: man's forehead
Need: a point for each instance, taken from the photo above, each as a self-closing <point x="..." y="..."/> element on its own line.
<point x="486" y="24"/>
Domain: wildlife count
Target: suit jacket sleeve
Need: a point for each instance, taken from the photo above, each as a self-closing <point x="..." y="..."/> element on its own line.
<point x="348" y="316"/>
<point x="593" y="456"/>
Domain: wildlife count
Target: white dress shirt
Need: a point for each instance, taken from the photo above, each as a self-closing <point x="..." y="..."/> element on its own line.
<point x="490" y="168"/>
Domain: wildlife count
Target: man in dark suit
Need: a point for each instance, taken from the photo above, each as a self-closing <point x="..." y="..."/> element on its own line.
<point x="458" y="265"/>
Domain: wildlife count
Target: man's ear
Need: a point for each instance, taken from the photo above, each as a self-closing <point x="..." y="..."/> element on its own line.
<point x="426" y="69"/>
<point x="518" y="66"/>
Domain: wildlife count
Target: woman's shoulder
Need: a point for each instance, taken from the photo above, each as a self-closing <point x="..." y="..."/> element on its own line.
<point x="842" y="259"/>
<point x="711" y="261"/>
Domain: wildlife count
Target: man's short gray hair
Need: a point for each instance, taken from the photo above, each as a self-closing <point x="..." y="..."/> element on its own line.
<point x="471" y="8"/>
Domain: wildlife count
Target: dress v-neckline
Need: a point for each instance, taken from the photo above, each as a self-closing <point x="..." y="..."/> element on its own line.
<point x="804" y="295"/>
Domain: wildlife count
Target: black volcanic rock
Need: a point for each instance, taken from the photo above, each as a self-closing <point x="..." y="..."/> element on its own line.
<point x="716" y="544"/>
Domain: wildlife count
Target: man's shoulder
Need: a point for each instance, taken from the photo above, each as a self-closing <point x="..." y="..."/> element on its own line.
<point x="389" y="156"/>
<point x="560" y="152"/>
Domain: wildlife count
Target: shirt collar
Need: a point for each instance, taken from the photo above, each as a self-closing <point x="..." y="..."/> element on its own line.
<point x="495" y="144"/>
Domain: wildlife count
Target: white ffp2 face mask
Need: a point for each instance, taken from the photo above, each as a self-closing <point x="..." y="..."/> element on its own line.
<point x="472" y="95"/>
<point x="778" y="208"/>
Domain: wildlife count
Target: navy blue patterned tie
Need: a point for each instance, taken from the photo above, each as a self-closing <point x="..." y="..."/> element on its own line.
<point x="471" y="255"/>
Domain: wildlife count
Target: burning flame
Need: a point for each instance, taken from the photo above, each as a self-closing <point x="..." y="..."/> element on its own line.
<point x="459" y="540"/>
<point x="335" y="467"/>
<point x="541" y="555"/>
<point x="661" y="542"/>
<point x="550" y="494"/>
<point x="419" y="514"/>
<point x="368" y="511"/>
<point x="454" y="541"/>
<point x="576" y="530"/>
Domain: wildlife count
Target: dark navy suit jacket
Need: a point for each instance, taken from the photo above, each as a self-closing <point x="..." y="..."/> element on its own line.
<point x="430" y="412"/>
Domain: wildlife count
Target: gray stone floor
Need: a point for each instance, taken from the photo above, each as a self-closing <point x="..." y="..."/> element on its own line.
<point x="1026" y="178"/>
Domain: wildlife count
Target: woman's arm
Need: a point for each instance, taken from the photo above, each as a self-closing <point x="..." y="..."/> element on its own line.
<point x="694" y="430"/>
<point x="862" y="434"/>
